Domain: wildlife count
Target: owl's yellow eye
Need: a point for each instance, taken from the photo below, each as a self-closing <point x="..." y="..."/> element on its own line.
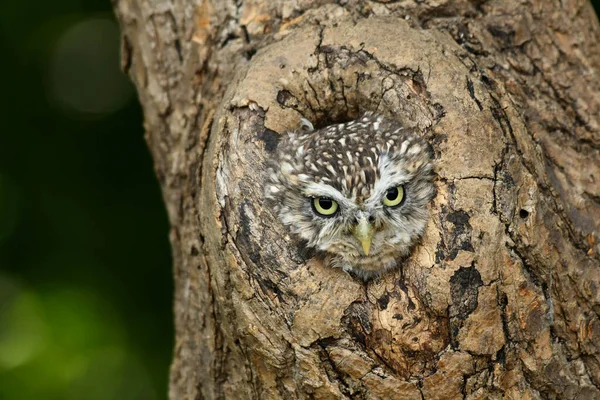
<point x="394" y="196"/>
<point x="324" y="206"/>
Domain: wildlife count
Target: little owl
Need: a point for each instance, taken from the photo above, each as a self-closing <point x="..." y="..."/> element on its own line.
<point x="357" y="191"/>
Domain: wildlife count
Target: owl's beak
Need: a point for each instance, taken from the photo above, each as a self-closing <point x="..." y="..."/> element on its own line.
<point x="364" y="231"/>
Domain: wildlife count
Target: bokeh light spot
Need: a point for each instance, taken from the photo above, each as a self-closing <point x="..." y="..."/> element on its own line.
<point x="21" y="325"/>
<point x="84" y="74"/>
<point x="69" y="342"/>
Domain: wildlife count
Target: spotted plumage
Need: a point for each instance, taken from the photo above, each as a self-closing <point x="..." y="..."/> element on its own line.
<point x="357" y="191"/>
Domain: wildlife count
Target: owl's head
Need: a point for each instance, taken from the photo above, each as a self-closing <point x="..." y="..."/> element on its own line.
<point x="358" y="191"/>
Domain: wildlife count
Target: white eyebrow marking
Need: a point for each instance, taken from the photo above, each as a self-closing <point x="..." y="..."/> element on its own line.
<point x="316" y="189"/>
<point x="389" y="177"/>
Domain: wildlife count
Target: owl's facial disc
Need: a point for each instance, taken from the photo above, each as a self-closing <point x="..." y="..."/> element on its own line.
<point x="360" y="223"/>
<point x="357" y="190"/>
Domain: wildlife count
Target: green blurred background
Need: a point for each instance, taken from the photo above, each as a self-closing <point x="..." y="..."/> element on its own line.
<point x="85" y="268"/>
<point x="85" y="273"/>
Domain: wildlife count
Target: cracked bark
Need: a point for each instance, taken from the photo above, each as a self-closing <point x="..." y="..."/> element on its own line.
<point x="502" y="296"/>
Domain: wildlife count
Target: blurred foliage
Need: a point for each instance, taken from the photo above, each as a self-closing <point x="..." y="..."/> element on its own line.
<point x="85" y="273"/>
<point x="85" y="269"/>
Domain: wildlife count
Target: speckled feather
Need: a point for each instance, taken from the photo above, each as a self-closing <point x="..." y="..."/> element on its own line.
<point x="353" y="163"/>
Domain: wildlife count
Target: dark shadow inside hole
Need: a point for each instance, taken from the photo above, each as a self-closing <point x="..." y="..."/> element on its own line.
<point x="523" y="213"/>
<point x="333" y="117"/>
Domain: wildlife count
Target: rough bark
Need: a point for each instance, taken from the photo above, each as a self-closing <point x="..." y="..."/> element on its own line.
<point x="501" y="298"/>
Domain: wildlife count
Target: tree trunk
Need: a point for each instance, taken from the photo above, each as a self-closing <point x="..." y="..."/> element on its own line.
<point x="502" y="296"/>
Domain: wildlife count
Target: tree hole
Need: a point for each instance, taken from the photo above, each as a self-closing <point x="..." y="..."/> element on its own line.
<point x="523" y="213"/>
